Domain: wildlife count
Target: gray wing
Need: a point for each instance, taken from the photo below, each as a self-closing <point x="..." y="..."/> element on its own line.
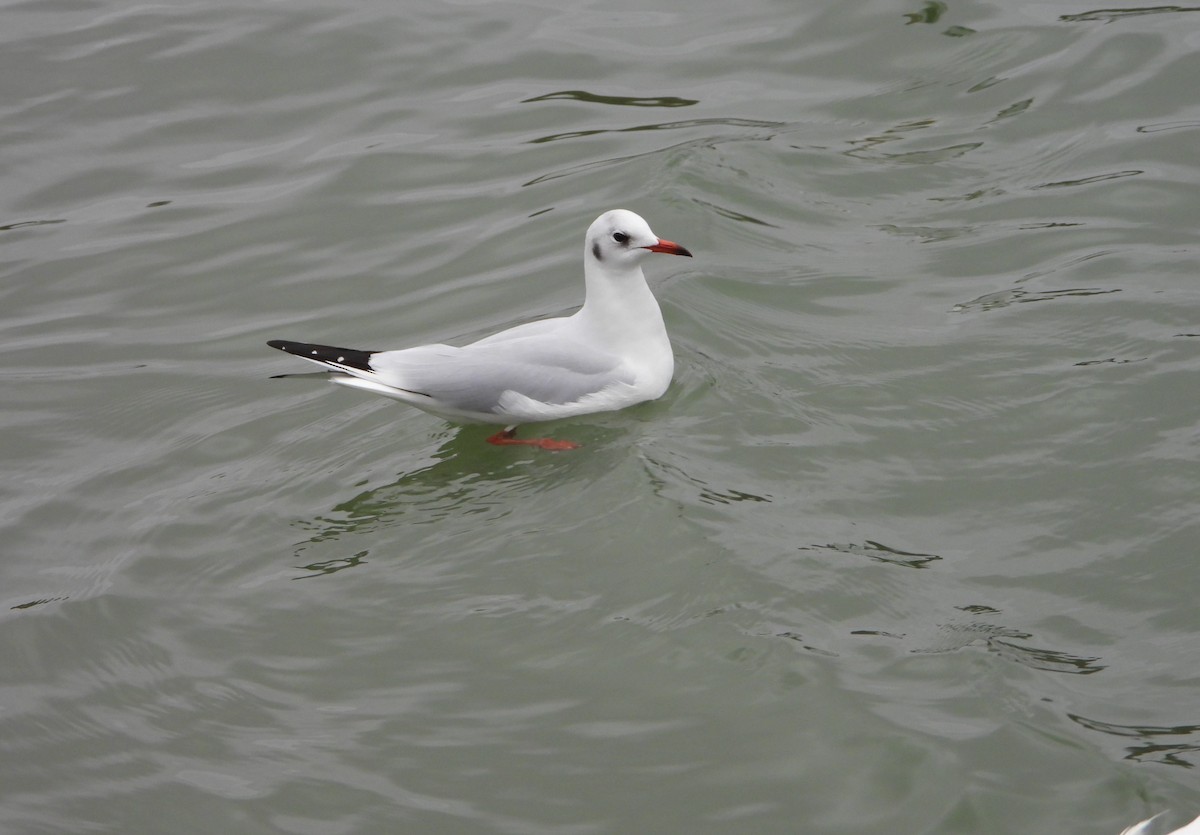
<point x="475" y="377"/>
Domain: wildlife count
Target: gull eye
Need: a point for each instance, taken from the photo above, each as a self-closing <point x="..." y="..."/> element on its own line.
<point x="620" y="237"/>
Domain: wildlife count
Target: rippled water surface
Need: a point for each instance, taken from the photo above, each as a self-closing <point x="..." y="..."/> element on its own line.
<point x="910" y="545"/>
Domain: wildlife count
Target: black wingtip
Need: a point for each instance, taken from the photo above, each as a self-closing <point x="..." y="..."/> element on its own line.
<point x="327" y="354"/>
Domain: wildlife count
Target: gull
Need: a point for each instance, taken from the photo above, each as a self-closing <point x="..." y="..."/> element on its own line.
<point x="1142" y="828"/>
<point x="611" y="353"/>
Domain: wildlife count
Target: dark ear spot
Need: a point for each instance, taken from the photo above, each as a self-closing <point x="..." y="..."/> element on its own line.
<point x="596" y="251"/>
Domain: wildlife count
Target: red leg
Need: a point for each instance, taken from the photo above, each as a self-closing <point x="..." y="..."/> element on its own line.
<point x="507" y="437"/>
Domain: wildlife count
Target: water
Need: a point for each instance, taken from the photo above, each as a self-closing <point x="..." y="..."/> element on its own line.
<point x="909" y="546"/>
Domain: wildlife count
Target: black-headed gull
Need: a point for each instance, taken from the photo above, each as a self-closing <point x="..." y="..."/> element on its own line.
<point x="611" y="353"/>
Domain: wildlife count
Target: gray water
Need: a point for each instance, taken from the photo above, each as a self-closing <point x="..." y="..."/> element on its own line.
<point x="910" y="545"/>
